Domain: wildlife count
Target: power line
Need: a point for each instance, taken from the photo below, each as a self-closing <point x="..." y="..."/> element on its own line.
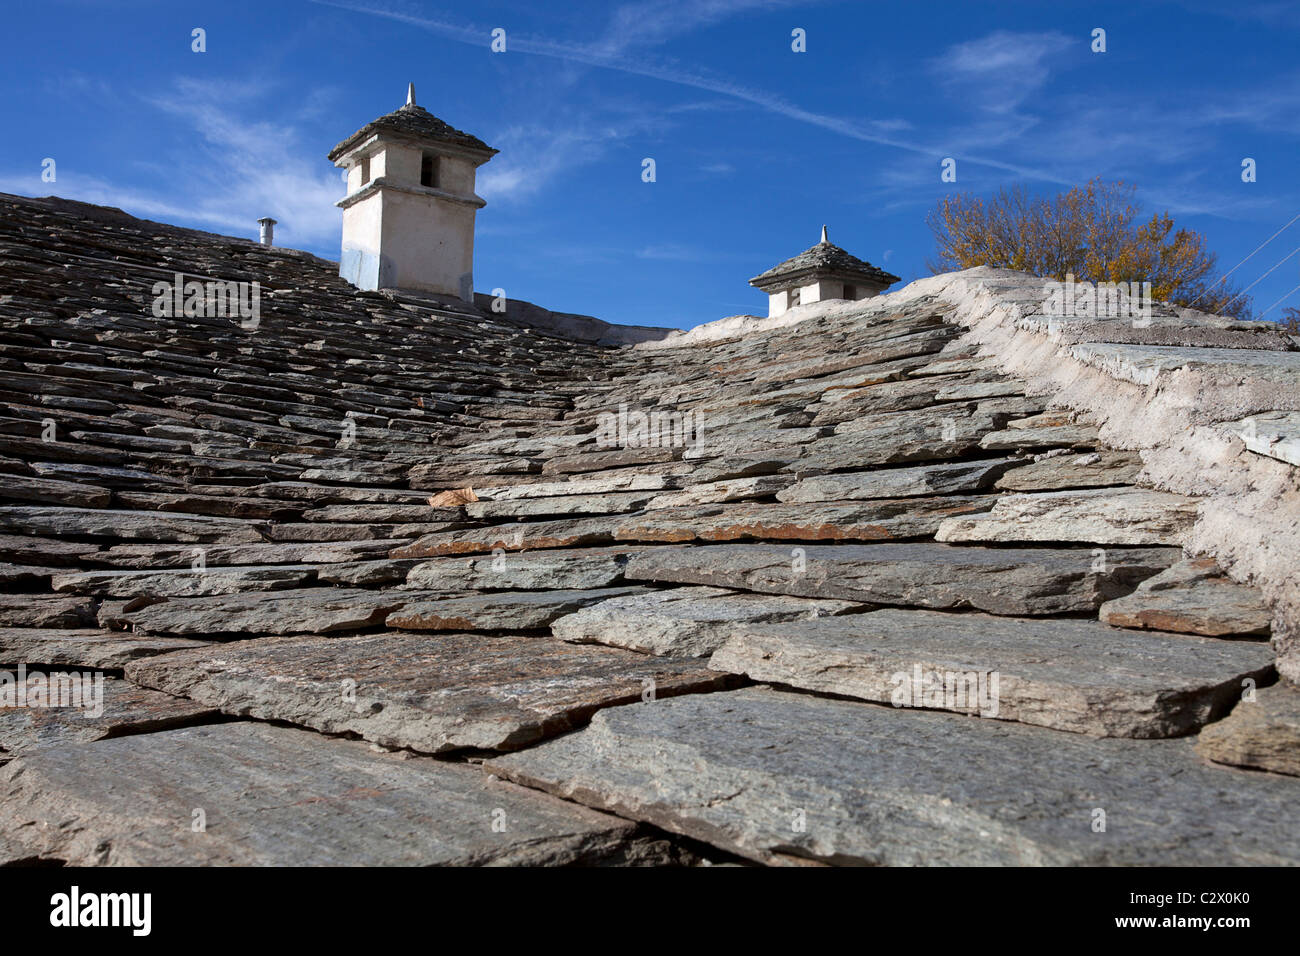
<point x="1224" y="277"/>
<point x="1261" y="278"/>
<point x="1279" y="302"/>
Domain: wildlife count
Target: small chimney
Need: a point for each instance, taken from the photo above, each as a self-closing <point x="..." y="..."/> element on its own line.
<point x="410" y="94"/>
<point x="824" y="239"/>
<point x="268" y="230"/>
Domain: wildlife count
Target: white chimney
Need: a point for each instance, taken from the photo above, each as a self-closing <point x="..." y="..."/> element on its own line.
<point x="268" y="230"/>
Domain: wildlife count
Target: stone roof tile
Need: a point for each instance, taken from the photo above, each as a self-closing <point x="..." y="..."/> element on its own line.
<point x="823" y="259"/>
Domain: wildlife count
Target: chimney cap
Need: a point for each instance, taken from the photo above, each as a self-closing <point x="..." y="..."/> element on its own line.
<point x="266" y="219"/>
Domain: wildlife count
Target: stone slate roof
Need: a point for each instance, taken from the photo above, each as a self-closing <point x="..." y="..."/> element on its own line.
<point x="642" y="654"/>
<point x="825" y="258"/>
<point x="417" y="122"/>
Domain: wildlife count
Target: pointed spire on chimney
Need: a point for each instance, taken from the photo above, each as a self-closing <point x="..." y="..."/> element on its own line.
<point x="410" y="94"/>
<point x="824" y="239"/>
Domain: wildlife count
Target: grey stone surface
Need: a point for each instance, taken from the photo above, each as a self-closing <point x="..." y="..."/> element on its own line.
<point x="1043" y="436"/>
<point x="1073" y="675"/>
<point x="431" y="693"/>
<point x="1262" y="734"/>
<point x="1275" y="434"/>
<point x="26" y="574"/>
<point x="727" y="489"/>
<point x="565" y="568"/>
<point x="126" y="524"/>
<point x="874" y="520"/>
<point x="83" y="647"/>
<point x="1096" y="469"/>
<point x="364" y="573"/>
<point x="498" y="610"/>
<point x="951" y="478"/>
<point x="45" y="610"/>
<point x="303" y="552"/>
<point x="317" y="442"/>
<point x="1133" y="516"/>
<point x="301" y="611"/>
<point x="1143" y="364"/>
<point x="594" y="504"/>
<point x="529" y="535"/>
<point x="767" y="774"/>
<point x="285" y="797"/>
<point x="600" y="485"/>
<point x="928" y="434"/>
<point x="685" y="622"/>
<point x="182" y="582"/>
<point x="1192" y="597"/>
<point x="125" y="709"/>
<point x="1009" y="581"/>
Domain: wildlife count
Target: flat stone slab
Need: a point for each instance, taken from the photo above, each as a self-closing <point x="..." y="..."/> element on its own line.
<point x="29" y="549"/>
<point x="306" y="552"/>
<point x="560" y="568"/>
<point x="498" y="610"/>
<point x="45" y="610"/>
<point x="301" y="611"/>
<point x="1275" y="434"/>
<point x="599" y="485"/>
<point x="140" y="525"/>
<point x="927" y="434"/>
<point x="1009" y="581"/>
<point x="767" y="775"/>
<point x="275" y="796"/>
<point x="685" y="622"/>
<point x="83" y="647"/>
<point x="596" y="504"/>
<point x="1134" y="516"/>
<point x="364" y="573"/>
<point x="729" y="489"/>
<point x="1144" y="364"/>
<point x="182" y="582"/>
<point x="27" y="574"/>
<point x="878" y="520"/>
<point x="431" y="693"/>
<point x="963" y="477"/>
<point x="1041" y="436"/>
<point x="1073" y="675"/>
<point x="1192" y="597"/>
<point x="530" y="535"/>
<point x="1096" y="469"/>
<point x="1262" y="734"/>
<point x="124" y="709"/>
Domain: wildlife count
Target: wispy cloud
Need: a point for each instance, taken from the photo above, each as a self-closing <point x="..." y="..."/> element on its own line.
<point x="533" y="155"/>
<point x="880" y="132"/>
<point x="1000" y="71"/>
<point x="288" y="185"/>
<point x="231" y="171"/>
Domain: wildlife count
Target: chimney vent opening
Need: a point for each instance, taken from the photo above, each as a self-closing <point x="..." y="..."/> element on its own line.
<point x="429" y="170"/>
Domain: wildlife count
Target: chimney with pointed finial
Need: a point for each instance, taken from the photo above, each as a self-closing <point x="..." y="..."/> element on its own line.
<point x="408" y="216"/>
<point x="823" y="272"/>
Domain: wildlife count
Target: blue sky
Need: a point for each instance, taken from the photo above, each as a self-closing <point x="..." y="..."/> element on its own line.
<point x="755" y="145"/>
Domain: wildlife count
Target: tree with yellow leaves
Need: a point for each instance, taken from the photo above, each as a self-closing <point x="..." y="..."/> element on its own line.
<point x="1093" y="232"/>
